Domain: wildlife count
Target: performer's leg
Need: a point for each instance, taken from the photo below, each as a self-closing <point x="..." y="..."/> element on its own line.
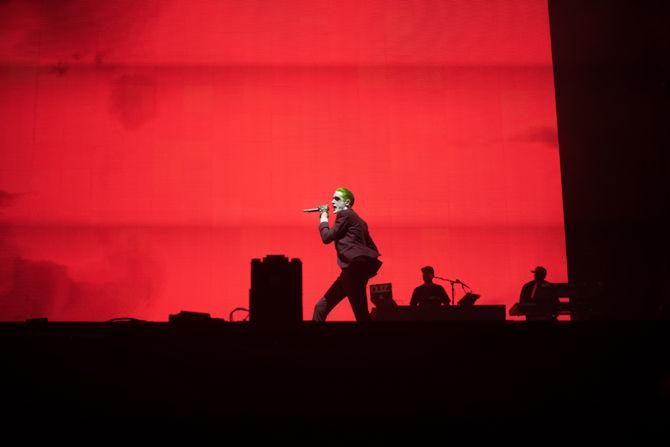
<point x="354" y="282"/>
<point x="332" y="297"/>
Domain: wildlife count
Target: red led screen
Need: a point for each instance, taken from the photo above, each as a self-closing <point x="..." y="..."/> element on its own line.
<point x="150" y="150"/>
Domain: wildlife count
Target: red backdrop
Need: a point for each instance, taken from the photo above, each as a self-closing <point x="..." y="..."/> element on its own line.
<point x="150" y="150"/>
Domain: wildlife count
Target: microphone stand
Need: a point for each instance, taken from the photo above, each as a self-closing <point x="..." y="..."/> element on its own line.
<point x="452" y="282"/>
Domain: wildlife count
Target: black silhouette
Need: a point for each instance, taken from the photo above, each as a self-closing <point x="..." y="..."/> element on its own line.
<point x="381" y="295"/>
<point x="275" y="296"/>
<point x="538" y="297"/>
<point x="429" y="294"/>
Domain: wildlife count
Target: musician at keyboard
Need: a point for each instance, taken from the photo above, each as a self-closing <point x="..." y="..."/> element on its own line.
<point x="429" y="293"/>
<point x="539" y="294"/>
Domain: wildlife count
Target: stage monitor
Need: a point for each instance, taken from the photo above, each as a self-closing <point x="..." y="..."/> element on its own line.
<point x="381" y="294"/>
<point x="468" y="299"/>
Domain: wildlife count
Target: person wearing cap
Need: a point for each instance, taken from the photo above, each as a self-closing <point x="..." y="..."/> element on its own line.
<point x="539" y="291"/>
<point x="428" y="292"/>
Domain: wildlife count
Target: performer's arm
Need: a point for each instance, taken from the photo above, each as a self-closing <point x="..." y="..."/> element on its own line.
<point x="415" y="299"/>
<point x="445" y="296"/>
<point x="339" y="229"/>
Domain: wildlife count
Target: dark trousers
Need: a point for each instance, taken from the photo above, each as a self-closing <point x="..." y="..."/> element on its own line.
<point x="351" y="283"/>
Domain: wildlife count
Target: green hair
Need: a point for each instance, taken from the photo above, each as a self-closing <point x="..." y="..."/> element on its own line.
<point x="346" y="195"/>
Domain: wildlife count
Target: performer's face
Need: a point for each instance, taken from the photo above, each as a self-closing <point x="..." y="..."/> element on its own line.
<point x="338" y="202"/>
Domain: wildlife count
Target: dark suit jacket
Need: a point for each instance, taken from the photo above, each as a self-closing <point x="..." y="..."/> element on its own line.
<point x="351" y="237"/>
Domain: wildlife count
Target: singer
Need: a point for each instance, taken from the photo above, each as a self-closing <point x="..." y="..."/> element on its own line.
<point x="357" y="256"/>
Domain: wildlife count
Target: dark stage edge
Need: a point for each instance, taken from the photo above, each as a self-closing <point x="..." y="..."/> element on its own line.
<point x="439" y="374"/>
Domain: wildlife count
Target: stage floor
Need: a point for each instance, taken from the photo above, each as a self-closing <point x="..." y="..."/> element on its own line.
<point x="451" y="372"/>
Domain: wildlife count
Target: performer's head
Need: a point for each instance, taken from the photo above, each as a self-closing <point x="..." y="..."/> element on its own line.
<point x="342" y="199"/>
<point x="540" y="273"/>
<point x="428" y="274"/>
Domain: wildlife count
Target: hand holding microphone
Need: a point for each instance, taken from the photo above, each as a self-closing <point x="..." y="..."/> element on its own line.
<point x="319" y="209"/>
<point x="322" y="209"/>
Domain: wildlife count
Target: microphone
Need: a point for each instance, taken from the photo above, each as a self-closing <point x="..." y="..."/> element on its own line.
<point x="446" y="279"/>
<point x="454" y="281"/>
<point x="462" y="283"/>
<point x="318" y="209"/>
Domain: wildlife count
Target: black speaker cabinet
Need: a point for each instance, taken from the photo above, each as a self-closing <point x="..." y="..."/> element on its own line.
<point x="275" y="296"/>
